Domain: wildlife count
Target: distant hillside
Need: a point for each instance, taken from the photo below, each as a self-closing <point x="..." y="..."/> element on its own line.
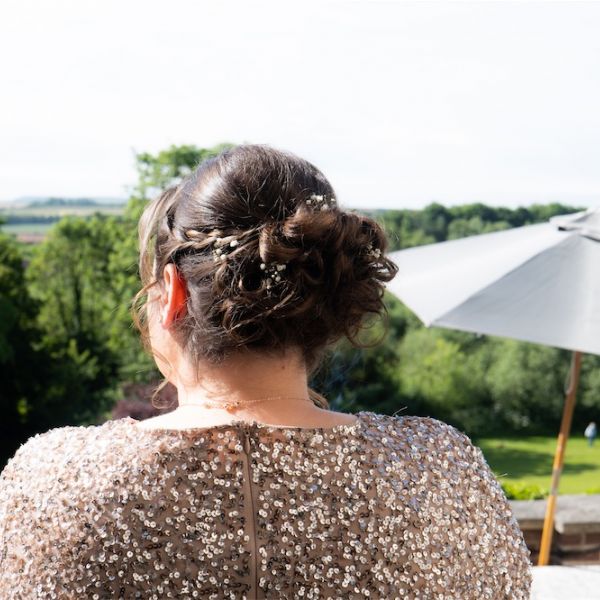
<point x="29" y="219"/>
<point x="63" y="202"/>
<point x="36" y="201"/>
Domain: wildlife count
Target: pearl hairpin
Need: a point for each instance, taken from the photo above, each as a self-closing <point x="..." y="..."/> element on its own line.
<point x="320" y="202"/>
<point x="222" y="248"/>
<point x="374" y="252"/>
<point x="272" y="270"/>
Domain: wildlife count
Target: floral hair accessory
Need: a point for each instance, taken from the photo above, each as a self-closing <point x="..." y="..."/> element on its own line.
<point x="272" y="272"/>
<point x="320" y="202"/>
<point x="374" y="252"/>
<point x="222" y="247"/>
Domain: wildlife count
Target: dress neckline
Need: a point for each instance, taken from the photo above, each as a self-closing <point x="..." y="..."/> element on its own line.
<point x="254" y="425"/>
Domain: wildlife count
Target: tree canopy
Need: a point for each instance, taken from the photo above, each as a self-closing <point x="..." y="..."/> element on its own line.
<point x="69" y="352"/>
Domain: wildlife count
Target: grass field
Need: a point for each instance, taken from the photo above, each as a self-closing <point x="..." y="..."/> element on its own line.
<point x="34" y="227"/>
<point x="18" y="228"/>
<point x="529" y="460"/>
<point x="62" y="211"/>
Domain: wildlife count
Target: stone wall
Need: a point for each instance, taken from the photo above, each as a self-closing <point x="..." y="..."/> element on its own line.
<point x="576" y="537"/>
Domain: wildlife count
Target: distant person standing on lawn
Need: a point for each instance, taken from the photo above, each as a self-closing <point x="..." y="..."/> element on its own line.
<point x="591" y="431"/>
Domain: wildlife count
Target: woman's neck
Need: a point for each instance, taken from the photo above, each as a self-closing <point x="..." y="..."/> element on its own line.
<point x="280" y="383"/>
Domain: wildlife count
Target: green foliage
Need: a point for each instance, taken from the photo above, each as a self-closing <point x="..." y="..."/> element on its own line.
<point x="526" y="384"/>
<point x="438" y="374"/>
<point x="436" y="223"/>
<point x="361" y="379"/>
<point x="524" y="491"/>
<point x="84" y="275"/>
<point x="69" y="315"/>
<point x="482" y="384"/>
<point x="17" y="332"/>
<point x="79" y="384"/>
<point x="16" y="308"/>
<point x="63" y="202"/>
<point x="40" y="386"/>
<point x="588" y="397"/>
<point x="69" y="276"/>
<point x="123" y="338"/>
<point x="27" y="252"/>
<point x="368" y="378"/>
<point x="460" y="228"/>
<point x="157" y="172"/>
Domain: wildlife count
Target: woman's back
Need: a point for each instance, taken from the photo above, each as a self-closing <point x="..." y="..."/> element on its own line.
<point x="388" y="507"/>
<point x="251" y="271"/>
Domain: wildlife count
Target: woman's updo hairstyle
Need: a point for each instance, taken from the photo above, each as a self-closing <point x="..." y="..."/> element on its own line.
<point x="228" y="225"/>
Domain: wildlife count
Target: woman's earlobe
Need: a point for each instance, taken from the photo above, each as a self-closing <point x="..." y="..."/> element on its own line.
<point x="176" y="300"/>
<point x="179" y="295"/>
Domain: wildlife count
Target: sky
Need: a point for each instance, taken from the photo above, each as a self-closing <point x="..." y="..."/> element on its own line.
<point x="400" y="104"/>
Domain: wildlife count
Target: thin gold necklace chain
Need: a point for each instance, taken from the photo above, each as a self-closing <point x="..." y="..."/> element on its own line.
<point x="233" y="404"/>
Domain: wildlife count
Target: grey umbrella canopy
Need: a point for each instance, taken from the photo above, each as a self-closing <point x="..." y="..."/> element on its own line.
<point x="537" y="283"/>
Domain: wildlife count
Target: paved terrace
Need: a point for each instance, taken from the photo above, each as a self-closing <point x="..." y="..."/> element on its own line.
<point x="566" y="583"/>
<point x="576" y="537"/>
<point x="574" y="569"/>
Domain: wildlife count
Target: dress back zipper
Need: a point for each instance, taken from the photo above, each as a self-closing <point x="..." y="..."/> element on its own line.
<point x="250" y="512"/>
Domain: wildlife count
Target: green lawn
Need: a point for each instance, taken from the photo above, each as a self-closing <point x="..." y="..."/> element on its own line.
<point x="62" y="211"/>
<point x="26" y="226"/>
<point x="529" y="460"/>
<point x="18" y="228"/>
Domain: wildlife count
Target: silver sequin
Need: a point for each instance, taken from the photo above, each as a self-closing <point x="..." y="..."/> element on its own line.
<point x="388" y="507"/>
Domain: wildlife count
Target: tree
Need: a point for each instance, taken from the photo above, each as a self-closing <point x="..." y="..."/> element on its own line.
<point x="437" y="374"/>
<point x="156" y="172"/>
<point x="40" y="387"/>
<point x="17" y="337"/>
<point x="526" y="384"/>
<point x="70" y="278"/>
<point x="459" y="228"/>
<point x="84" y="277"/>
<point x="354" y="379"/>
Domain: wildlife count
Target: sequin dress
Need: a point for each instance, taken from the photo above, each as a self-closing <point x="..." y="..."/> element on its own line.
<point x="385" y="507"/>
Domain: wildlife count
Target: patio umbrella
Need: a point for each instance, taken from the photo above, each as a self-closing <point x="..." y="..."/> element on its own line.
<point x="537" y="283"/>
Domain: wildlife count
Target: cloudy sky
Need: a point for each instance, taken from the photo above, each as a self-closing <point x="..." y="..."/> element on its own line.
<point x="399" y="103"/>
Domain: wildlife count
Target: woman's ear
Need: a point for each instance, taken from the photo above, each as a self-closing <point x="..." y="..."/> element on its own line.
<point x="174" y="303"/>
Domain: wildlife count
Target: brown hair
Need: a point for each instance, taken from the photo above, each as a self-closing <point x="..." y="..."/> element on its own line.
<point x="260" y="197"/>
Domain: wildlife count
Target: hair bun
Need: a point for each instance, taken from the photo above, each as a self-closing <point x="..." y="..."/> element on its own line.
<point x="270" y="259"/>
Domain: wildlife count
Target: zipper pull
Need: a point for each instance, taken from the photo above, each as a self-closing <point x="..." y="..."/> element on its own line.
<point x="246" y="441"/>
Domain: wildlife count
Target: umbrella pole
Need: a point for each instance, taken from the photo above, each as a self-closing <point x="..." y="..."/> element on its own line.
<point x="559" y="456"/>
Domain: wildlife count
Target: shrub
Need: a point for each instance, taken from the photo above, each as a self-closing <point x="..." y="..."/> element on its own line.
<point x="524" y="491"/>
